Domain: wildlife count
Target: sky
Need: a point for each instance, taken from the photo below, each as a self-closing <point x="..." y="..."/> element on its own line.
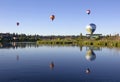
<point x="70" y="16"/>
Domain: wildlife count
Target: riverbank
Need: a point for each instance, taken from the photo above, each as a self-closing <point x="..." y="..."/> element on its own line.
<point x="104" y="43"/>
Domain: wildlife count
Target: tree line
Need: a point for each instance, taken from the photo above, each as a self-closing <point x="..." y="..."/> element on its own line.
<point x="15" y="37"/>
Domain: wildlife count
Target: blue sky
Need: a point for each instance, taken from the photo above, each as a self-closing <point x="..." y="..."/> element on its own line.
<point x="71" y="17"/>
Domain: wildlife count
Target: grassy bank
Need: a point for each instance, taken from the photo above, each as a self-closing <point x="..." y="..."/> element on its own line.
<point x="61" y="42"/>
<point x="105" y="43"/>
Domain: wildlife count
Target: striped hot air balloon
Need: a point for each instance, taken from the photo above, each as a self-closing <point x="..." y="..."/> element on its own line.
<point x="91" y="28"/>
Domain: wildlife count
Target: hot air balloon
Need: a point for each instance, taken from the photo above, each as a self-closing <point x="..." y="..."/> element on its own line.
<point x="88" y="12"/>
<point x="90" y="55"/>
<point x="52" y="17"/>
<point x="91" y="28"/>
<point x="17" y="23"/>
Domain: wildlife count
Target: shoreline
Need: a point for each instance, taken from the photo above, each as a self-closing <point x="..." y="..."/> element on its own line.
<point x="104" y="43"/>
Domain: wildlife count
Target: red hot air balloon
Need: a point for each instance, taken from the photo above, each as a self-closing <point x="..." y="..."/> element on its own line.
<point x="52" y="17"/>
<point x="17" y="23"/>
<point x="88" y="12"/>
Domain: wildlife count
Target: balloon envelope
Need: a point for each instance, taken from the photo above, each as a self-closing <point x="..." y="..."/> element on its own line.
<point x="52" y="17"/>
<point x="17" y="23"/>
<point x="91" y="28"/>
<point x="88" y="12"/>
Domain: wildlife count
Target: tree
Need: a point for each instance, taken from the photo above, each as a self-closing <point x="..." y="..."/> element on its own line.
<point x="81" y="36"/>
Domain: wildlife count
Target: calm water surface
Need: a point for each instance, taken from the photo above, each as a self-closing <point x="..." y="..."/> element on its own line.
<point x="29" y="62"/>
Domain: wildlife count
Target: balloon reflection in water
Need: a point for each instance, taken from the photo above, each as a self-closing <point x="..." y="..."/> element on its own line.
<point x="87" y="71"/>
<point x="51" y="65"/>
<point x="90" y="55"/>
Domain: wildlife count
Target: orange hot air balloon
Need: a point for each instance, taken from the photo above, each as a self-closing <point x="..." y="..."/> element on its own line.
<point x="17" y="23"/>
<point x="52" y="17"/>
<point x="88" y="12"/>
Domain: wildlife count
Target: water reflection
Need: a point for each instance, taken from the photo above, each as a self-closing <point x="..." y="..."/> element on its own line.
<point x="16" y="45"/>
<point x="81" y="48"/>
<point x="38" y="64"/>
<point x="94" y="48"/>
<point x="52" y="65"/>
<point x="87" y="71"/>
<point x="90" y="55"/>
<point x="17" y="57"/>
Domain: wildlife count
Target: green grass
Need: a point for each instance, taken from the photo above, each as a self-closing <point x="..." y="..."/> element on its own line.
<point x="105" y="43"/>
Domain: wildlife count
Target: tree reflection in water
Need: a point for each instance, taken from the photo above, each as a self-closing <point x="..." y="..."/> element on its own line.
<point x="17" y="57"/>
